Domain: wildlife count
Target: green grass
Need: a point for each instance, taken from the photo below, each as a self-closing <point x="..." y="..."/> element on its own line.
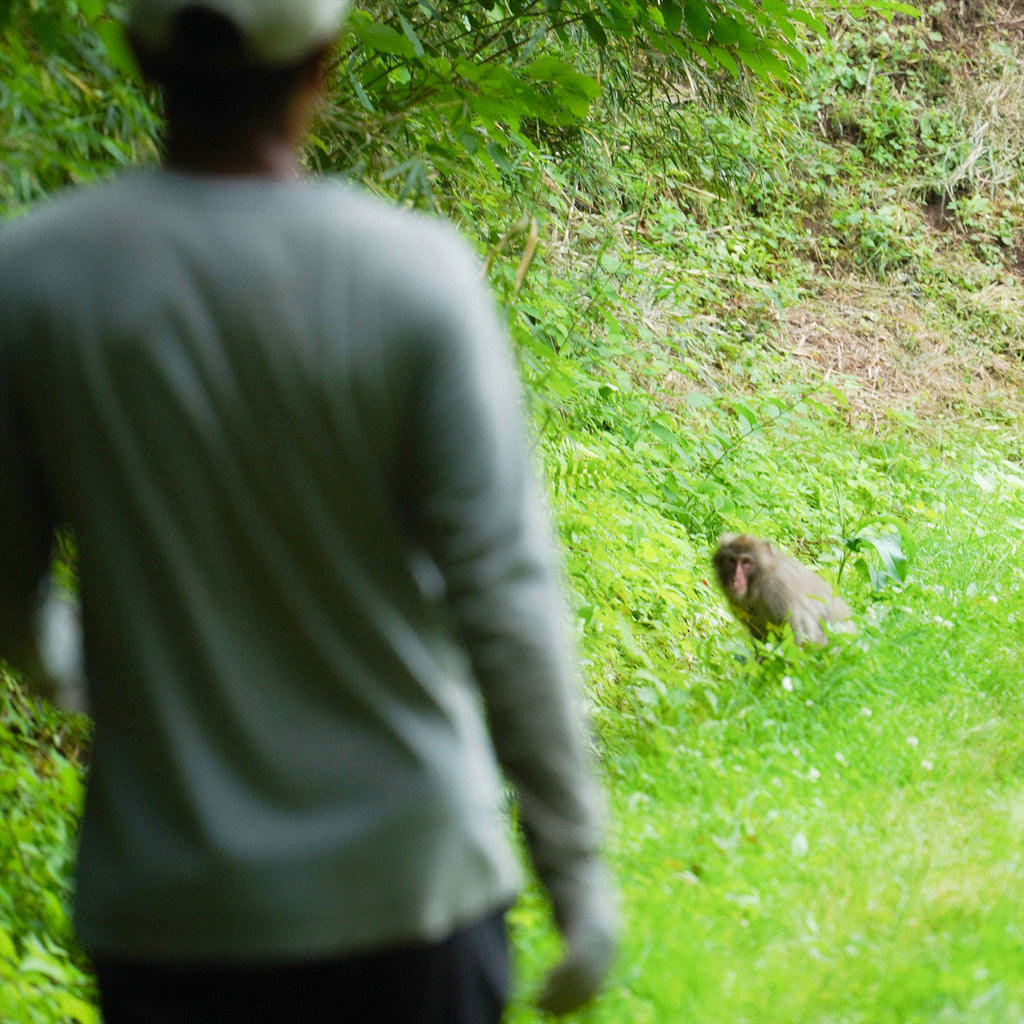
<point x="44" y="978"/>
<point x="838" y="836"/>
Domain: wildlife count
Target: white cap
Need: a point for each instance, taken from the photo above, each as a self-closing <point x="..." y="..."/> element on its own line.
<point x="272" y="31"/>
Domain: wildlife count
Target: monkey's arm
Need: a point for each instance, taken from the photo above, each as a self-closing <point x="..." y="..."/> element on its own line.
<point x="777" y="600"/>
<point x="806" y="619"/>
<point x="813" y="602"/>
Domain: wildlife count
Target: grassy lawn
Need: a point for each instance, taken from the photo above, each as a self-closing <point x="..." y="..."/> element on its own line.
<point x="838" y="836"/>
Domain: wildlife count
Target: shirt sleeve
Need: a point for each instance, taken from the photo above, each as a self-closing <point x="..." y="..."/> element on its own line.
<point x="480" y="511"/>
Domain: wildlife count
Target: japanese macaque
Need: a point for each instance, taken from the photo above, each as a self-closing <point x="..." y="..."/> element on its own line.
<point x="766" y="589"/>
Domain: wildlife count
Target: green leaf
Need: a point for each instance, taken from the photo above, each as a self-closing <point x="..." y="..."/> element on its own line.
<point x="748" y="414"/>
<point x="767" y="64"/>
<point x="698" y="19"/>
<point x="75" y="1008"/>
<point x="716" y="55"/>
<point x="815" y="24"/>
<point x="500" y="157"/>
<point x="71" y="782"/>
<point x="754" y="63"/>
<point x="115" y="42"/>
<point x="92" y="9"/>
<point x="117" y="152"/>
<point x="410" y="34"/>
<point x="633" y="651"/>
<point x="795" y="57"/>
<point x="777" y="10"/>
<point x="726" y="31"/>
<point x="357" y="88"/>
<point x="594" y="30"/>
<point x="672" y="13"/>
<point x="46" y="30"/>
<point x="380" y="38"/>
<point x="611" y="262"/>
<point x="663" y="433"/>
<point x="891" y="553"/>
<point x="43" y="966"/>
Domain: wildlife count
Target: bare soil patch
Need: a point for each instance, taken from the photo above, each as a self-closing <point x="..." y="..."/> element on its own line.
<point x="879" y="339"/>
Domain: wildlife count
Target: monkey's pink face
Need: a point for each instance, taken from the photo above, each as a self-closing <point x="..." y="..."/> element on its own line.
<point x="739" y="576"/>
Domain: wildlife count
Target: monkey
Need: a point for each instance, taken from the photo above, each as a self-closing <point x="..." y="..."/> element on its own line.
<point x="766" y="589"/>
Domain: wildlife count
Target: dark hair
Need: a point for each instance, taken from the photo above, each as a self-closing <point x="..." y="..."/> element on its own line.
<point x="211" y="88"/>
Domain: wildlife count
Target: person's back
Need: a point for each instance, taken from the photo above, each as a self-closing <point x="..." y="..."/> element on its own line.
<point x="268" y="634"/>
<point x="282" y="422"/>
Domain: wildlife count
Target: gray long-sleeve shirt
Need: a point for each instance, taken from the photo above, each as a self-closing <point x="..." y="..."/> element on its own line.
<point x="282" y="421"/>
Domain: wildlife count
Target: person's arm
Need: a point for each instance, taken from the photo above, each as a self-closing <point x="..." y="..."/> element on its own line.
<point x="482" y="516"/>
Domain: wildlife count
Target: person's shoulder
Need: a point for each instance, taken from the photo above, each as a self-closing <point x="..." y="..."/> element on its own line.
<point x="62" y="214"/>
<point x="383" y="227"/>
<point x="412" y="266"/>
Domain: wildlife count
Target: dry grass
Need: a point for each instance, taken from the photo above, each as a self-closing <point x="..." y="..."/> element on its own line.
<point x="886" y="339"/>
<point x="990" y="106"/>
<point x="881" y="340"/>
<point x="944" y="350"/>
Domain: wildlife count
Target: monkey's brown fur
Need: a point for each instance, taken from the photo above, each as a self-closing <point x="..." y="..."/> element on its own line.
<point x="766" y="589"/>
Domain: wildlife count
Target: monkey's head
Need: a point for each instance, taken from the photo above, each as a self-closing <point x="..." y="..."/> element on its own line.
<point x="736" y="563"/>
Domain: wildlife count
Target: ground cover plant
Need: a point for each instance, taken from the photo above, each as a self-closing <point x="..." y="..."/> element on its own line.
<point x="789" y="306"/>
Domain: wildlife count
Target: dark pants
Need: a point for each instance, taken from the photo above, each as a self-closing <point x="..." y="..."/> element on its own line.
<point x="461" y="980"/>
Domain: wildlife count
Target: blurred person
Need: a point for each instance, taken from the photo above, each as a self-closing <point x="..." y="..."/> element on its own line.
<point x="321" y="602"/>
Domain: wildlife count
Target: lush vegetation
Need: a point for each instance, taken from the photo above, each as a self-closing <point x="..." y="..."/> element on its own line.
<point x="762" y="272"/>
